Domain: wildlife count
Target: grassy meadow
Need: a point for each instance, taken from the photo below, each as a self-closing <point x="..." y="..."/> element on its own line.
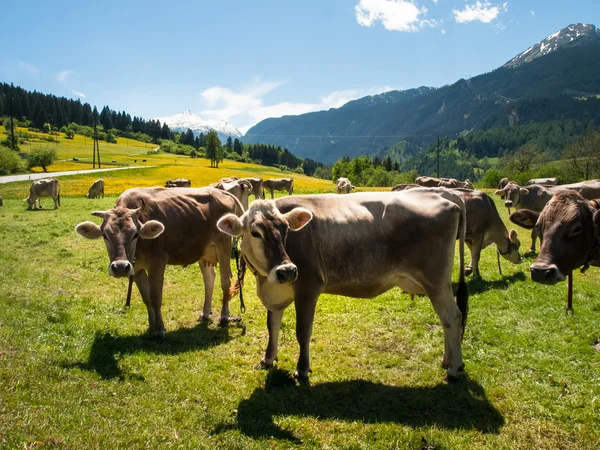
<point x="77" y="369"/>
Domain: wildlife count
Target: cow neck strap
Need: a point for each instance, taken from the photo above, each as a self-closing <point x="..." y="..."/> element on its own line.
<point x="250" y="266"/>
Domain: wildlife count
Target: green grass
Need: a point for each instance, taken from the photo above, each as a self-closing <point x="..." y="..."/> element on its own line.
<point x="78" y="371"/>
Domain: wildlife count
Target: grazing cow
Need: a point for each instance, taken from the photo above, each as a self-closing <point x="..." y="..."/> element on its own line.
<point x="241" y="189"/>
<point x="484" y="227"/>
<point x="178" y="182"/>
<point x="114" y="161"/>
<point x="96" y="189"/>
<point x="357" y="245"/>
<point x="278" y="184"/>
<point x="543" y="181"/>
<point x="402" y="187"/>
<point x="443" y="182"/>
<point x="344" y="186"/>
<point x="256" y="182"/>
<point x="149" y="229"/>
<point x="569" y="227"/>
<point x="535" y="197"/>
<point x="46" y="187"/>
<point x="503" y="182"/>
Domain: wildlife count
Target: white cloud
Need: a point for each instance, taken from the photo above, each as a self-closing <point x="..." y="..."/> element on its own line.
<point x="78" y="94"/>
<point x="248" y="105"/>
<point x="395" y="15"/>
<point x="443" y="31"/>
<point x="28" y="68"/>
<point x="484" y="12"/>
<point x="62" y="76"/>
<point x="532" y="13"/>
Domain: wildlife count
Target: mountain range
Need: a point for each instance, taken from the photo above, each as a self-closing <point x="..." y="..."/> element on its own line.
<point x="181" y="122"/>
<point x="547" y="81"/>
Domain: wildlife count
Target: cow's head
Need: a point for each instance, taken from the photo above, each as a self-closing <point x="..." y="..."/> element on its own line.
<point x="512" y="253"/>
<point x="121" y="229"/>
<point x="569" y="230"/>
<point x="264" y="232"/>
<point x="511" y="194"/>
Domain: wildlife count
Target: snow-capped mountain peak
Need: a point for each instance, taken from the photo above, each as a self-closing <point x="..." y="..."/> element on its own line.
<point x="573" y="35"/>
<point x="184" y="120"/>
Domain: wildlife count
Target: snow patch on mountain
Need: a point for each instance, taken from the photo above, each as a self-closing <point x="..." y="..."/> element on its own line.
<point x="575" y="34"/>
<point x="187" y="120"/>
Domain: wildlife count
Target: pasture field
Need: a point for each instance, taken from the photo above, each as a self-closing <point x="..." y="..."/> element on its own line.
<point x="77" y="369"/>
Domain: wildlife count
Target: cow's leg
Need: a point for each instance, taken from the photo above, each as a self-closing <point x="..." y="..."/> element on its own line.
<point x="475" y="255"/>
<point x="273" y="325"/>
<point x="143" y="285"/>
<point x="208" y="275"/>
<point x="534" y="235"/>
<point x="224" y="254"/>
<point x="450" y="319"/>
<point x="305" y="303"/>
<point x="156" y="278"/>
<point x="469" y="267"/>
<point x="55" y="202"/>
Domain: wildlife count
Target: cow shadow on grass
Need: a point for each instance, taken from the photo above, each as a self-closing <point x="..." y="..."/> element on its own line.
<point x="107" y="349"/>
<point x="479" y="285"/>
<point x="461" y="405"/>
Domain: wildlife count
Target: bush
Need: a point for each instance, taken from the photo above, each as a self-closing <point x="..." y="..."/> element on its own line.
<point x="110" y="138"/>
<point x="491" y="178"/>
<point x="69" y="134"/>
<point x="47" y="128"/>
<point x="9" y="161"/>
<point x="41" y="157"/>
<point x="193" y="154"/>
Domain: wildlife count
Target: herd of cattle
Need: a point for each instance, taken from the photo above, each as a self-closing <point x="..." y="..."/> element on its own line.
<point x="359" y="245"/>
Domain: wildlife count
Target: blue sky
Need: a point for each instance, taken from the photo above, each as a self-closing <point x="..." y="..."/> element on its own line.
<point x="243" y="61"/>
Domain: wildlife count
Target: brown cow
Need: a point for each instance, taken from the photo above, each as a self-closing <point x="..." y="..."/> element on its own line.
<point x="149" y="229"/>
<point x="443" y="182"/>
<point x="178" y="182"/>
<point x="535" y="197"/>
<point x="402" y="187"/>
<point x="569" y="227"/>
<point x="503" y="182"/>
<point x="344" y="186"/>
<point x="484" y="227"/>
<point x="96" y="189"/>
<point x="256" y="182"/>
<point x="46" y="187"/>
<point x="1" y="201"/>
<point x="278" y="184"/>
<point x="357" y="245"/>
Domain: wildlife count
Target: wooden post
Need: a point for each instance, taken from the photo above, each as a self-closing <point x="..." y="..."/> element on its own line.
<point x="128" y="301"/>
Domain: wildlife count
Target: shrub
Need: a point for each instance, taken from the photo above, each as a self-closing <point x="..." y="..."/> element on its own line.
<point x="193" y="154"/>
<point x="47" y="128"/>
<point x="41" y="157"/>
<point x="69" y="134"/>
<point x="491" y="178"/>
<point x="110" y="138"/>
<point x="9" y="161"/>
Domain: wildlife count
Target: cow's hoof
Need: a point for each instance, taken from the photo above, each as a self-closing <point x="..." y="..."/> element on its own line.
<point x="468" y="270"/>
<point x="444" y="364"/>
<point x="158" y="334"/>
<point x="302" y="379"/>
<point x="264" y="365"/>
<point x="235" y="318"/>
<point x="203" y="318"/>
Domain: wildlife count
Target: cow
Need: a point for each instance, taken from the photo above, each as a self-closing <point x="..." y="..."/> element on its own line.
<point x="484" y="227"/>
<point x="535" y="197"/>
<point x="359" y="246"/>
<point x="278" y="184"/>
<point x="46" y="187"/>
<point x="401" y="187"/>
<point x="1" y="201"/>
<point x="256" y="182"/>
<point x="569" y="227"/>
<point x="344" y="186"/>
<point x="241" y="189"/>
<point x="178" y="182"/>
<point x="150" y="228"/>
<point x="503" y="182"/>
<point x="443" y="182"/>
<point x="543" y="181"/>
<point x="96" y="189"/>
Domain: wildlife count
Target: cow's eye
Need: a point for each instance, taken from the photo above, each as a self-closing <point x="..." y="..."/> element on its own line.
<point x="576" y="229"/>
<point x="255" y="234"/>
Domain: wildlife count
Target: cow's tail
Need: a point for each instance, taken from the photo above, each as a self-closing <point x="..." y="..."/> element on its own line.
<point x="58" y="193"/>
<point x="462" y="293"/>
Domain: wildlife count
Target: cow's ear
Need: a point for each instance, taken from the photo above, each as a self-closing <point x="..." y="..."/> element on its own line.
<point x="151" y="229"/>
<point x="525" y="218"/>
<point x="523" y="191"/>
<point x="89" y="230"/>
<point x="513" y="235"/>
<point x="297" y="218"/>
<point x="230" y="224"/>
<point x="499" y="192"/>
<point x="101" y="214"/>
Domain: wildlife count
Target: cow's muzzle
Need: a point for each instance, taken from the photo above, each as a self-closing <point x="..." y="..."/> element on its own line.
<point x="508" y="203"/>
<point x="286" y="273"/>
<point x="546" y="273"/>
<point x="120" y="269"/>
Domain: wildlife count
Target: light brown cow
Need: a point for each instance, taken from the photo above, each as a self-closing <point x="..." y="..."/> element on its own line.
<point x="278" y="184"/>
<point x="344" y="186"/>
<point x="535" y="197"/>
<point x="451" y="183"/>
<point x="96" y="189"/>
<point x="178" y="182"/>
<point x="402" y="187"/>
<point x="503" y="182"/>
<point x="241" y="189"/>
<point x="256" y="182"/>
<point x="46" y="187"/>
<point x="357" y="245"/>
<point x="149" y="229"/>
<point x="484" y="227"/>
<point x="543" y="181"/>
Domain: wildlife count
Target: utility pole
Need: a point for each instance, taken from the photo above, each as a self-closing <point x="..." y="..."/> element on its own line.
<point x="438" y="156"/>
<point x="96" y="148"/>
